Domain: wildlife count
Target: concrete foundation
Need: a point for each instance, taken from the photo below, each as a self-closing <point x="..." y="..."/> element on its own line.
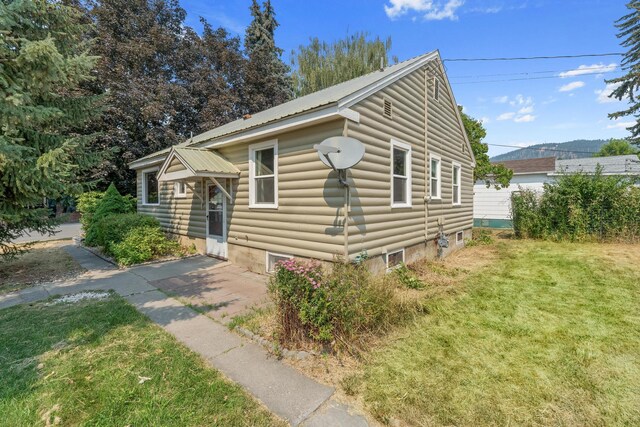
<point x="255" y="260"/>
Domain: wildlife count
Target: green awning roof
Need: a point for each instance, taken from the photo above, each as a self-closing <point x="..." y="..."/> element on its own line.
<point x="197" y="162"/>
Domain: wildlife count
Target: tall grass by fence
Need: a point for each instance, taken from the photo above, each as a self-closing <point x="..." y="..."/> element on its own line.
<point x="580" y="206"/>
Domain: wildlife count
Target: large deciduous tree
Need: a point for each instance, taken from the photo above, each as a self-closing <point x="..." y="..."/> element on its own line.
<point x="267" y="82"/>
<point x="321" y="64"/>
<point x="627" y="85"/>
<point x="44" y="58"/>
<point x="163" y="80"/>
<point x="495" y="175"/>
<point x="616" y="147"/>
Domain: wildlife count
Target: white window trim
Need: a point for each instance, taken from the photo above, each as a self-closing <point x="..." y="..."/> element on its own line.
<point x="455" y="165"/>
<point x="269" y="254"/>
<point x="406" y="148"/>
<point x="460" y="241"/>
<point x="438" y="177"/>
<point x="144" y="186"/>
<point x="252" y="190"/>
<point x="386" y="258"/>
<point x="176" y="190"/>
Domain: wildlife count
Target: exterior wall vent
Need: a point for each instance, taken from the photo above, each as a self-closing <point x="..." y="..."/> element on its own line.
<point x="436" y="88"/>
<point x="387" y="109"/>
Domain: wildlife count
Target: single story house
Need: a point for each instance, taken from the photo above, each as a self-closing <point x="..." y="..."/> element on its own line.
<point x="492" y="208"/>
<point x="254" y="191"/>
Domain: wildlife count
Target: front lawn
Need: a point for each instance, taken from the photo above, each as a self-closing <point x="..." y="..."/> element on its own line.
<point x="548" y="334"/>
<point x="103" y="363"/>
<point x="45" y="262"/>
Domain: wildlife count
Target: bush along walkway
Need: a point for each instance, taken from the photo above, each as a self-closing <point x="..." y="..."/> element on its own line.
<point x="283" y="390"/>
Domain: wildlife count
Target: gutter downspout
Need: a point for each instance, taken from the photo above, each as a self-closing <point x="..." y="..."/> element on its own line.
<point x="426" y="155"/>
<point x="346" y="202"/>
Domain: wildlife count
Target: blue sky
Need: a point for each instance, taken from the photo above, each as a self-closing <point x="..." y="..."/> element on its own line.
<point x="568" y="103"/>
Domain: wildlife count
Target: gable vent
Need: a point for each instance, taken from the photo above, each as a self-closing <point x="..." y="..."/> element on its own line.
<point x="387" y="110"/>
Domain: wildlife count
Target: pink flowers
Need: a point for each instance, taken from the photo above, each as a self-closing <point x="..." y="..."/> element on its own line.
<point x="310" y="270"/>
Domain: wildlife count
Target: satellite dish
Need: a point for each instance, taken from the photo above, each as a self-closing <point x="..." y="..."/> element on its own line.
<point x="340" y="152"/>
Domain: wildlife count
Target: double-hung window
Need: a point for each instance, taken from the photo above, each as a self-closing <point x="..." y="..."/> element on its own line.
<point x="400" y="174"/>
<point x="434" y="176"/>
<point x="456" y="177"/>
<point x="150" y="187"/>
<point x="263" y="175"/>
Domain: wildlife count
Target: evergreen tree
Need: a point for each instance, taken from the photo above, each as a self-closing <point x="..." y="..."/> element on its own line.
<point x="266" y="78"/>
<point x="43" y="61"/>
<point x="494" y="175"/>
<point x="627" y="85"/>
<point x="321" y="64"/>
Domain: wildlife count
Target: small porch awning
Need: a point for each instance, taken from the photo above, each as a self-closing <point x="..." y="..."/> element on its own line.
<point x="190" y="164"/>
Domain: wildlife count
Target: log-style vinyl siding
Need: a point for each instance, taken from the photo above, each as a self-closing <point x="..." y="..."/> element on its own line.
<point x="446" y="139"/>
<point x="308" y="220"/>
<point x="179" y="215"/>
<point x="374" y="225"/>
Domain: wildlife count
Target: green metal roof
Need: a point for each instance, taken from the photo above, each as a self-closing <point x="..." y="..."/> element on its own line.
<point x="201" y="160"/>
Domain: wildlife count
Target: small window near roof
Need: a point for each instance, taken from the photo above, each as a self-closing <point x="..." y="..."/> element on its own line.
<point x="387" y="108"/>
<point x="436" y="88"/>
<point x="273" y="259"/>
<point x="180" y="189"/>
<point x="394" y="259"/>
<point x="150" y="188"/>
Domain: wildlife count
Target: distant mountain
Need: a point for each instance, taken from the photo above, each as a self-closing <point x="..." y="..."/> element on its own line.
<point x="565" y="150"/>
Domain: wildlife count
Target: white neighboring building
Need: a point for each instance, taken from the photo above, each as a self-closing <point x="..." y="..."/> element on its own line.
<point x="492" y="208"/>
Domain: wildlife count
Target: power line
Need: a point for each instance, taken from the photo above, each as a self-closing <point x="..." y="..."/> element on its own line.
<point x="543" y="149"/>
<point x="520" y="79"/>
<point x="603" y="68"/>
<point x="529" y="58"/>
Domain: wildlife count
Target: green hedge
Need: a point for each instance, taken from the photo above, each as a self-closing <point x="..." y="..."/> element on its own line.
<point x="113" y="229"/>
<point x="144" y="243"/>
<point x="580" y="207"/>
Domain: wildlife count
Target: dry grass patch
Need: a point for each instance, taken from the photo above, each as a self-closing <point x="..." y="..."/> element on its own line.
<point x="45" y="262"/>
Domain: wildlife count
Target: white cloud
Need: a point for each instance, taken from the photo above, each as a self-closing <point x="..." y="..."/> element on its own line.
<point x="432" y="10"/>
<point x="525" y="119"/>
<point x="526" y="110"/>
<point x="621" y="125"/>
<point x="520" y="100"/>
<point x="590" y="69"/>
<point x="501" y="99"/>
<point x="485" y="120"/>
<point x="603" y="94"/>
<point x="505" y="116"/>
<point x="571" y="86"/>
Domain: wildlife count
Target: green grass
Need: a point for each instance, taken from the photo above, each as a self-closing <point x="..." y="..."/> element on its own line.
<point x="82" y="364"/>
<point x="547" y="335"/>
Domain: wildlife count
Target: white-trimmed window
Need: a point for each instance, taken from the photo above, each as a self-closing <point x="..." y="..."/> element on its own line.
<point x="180" y="190"/>
<point x="395" y="258"/>
<point x="273" y="259"/>
<point x="400" y="174"/>
<point x="263" y="175"/>
<point x="150" y="187"/>
<point x="456" y="179"/>
<point x="434" y="176"/>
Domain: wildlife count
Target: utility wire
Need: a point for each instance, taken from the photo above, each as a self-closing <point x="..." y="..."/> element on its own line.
<point x="521" y="78"/>
<point x="543" y="149"/>
<point x="604" y="69"/>
<point x="529" y="58"/>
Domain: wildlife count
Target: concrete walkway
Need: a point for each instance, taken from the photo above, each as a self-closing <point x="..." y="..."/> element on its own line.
<point x="64" y="231"/>
<point x="283" y="390"/>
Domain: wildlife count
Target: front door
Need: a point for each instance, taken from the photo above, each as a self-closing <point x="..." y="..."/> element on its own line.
<point x="216" y="222"/>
